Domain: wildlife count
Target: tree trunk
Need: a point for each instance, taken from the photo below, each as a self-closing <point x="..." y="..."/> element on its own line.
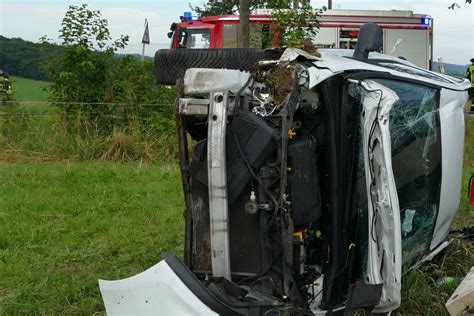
<point x="244" y="27"/>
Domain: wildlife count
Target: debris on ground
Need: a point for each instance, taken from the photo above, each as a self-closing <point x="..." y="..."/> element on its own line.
<point x="462" y="300"/>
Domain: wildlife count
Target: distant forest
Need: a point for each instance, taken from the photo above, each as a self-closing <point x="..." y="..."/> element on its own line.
<point x="22" y="58"/>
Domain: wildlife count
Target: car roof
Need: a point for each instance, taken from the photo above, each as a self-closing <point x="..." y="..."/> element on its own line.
<point x="340" y="60"/>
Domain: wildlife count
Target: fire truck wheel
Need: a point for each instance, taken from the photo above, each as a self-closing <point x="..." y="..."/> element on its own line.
<point x="171" y="64"/>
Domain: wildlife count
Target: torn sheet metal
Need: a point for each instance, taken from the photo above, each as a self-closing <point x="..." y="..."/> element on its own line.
<point x="384" y="248"/>
<point x="291" y="54"/>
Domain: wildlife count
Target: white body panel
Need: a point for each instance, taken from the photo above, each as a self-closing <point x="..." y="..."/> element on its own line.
<point x="156" y="291"/>
<point x="332" y="61"/>
<point x="451" y="118"/>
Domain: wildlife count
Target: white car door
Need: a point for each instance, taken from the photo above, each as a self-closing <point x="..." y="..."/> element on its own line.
<point x="384" y="241"/>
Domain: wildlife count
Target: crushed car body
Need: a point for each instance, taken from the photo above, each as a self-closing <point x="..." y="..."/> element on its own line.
<point x="311" y="185"/>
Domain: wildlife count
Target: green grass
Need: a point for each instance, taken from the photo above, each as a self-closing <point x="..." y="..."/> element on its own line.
<point x="465" y="216"/>
<point x="63" y="226"/>
<point x="29" y="90"/>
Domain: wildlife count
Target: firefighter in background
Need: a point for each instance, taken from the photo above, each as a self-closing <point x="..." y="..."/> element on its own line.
<point x="470" y="76"/>
<point x="6" y="89"/>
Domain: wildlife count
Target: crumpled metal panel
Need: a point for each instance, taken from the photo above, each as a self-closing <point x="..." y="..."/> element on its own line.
<point x="202" y="81"/>
<point x="291" y="54"/>
<point x="384" y="247"/>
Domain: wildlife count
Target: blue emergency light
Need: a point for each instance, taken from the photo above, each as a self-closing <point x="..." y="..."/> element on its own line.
<point x="426" y="20"/>
<point x="187" y="16"/>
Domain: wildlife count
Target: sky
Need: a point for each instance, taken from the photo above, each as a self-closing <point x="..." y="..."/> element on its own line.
<point x="30" y="19"/>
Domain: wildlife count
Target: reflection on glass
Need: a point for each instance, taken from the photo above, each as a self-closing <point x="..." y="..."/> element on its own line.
<point x="194" y="39"/>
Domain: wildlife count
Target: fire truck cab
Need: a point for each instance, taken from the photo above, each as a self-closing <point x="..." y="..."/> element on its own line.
<point x="405" y="34"/>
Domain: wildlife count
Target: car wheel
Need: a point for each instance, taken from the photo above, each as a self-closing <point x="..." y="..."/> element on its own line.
<point x="171" y="64"/>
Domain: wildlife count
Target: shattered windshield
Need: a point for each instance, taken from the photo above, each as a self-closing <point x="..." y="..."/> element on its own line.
<point x="416" y="162"/>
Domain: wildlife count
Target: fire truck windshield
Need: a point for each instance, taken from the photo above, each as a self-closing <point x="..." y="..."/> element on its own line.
<point x="194" y="38"/>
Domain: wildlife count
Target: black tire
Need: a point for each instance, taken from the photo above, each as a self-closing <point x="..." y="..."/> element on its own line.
<point x="171" y="64"/>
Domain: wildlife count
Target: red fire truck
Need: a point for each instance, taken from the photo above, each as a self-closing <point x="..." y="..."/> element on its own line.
<point x="405" y="34"/>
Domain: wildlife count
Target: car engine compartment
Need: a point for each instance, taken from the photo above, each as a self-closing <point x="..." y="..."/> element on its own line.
<point x="278" y="228"/>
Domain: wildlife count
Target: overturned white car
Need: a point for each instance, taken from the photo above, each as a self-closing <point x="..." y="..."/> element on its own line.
<point x="313" y="183"/>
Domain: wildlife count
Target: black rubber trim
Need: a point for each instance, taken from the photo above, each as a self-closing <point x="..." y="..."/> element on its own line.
<point x="363" y="296"/>
<point x="198" y="289"/>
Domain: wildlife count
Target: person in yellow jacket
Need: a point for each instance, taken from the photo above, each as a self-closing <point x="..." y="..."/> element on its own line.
<point x="6" y="89"/>
<point x="470" y="76"/>
<point x="470" y="72"/>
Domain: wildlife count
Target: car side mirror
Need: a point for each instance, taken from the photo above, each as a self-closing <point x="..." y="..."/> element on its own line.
<point x="370" y="40"/>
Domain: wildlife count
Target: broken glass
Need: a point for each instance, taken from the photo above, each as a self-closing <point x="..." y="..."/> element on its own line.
<point x="416" y="162"/>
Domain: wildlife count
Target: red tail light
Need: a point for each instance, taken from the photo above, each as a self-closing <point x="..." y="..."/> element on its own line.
<point x="470" y="190"/>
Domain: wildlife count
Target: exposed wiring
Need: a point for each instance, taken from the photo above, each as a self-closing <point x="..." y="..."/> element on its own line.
<point x="237" y="96"/>
<point x="373" y="127"/>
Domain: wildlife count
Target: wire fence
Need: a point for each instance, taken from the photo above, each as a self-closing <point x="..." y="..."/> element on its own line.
<point x="75" y="130"/>
<point x="105" y="104"/>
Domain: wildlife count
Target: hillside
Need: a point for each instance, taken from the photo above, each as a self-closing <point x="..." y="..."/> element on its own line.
<point x="29" y="90"/>
<point x="22" y="58"/>
<point x="452" y="69"/>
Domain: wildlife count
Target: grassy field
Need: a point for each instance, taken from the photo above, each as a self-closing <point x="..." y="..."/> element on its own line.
<point x="63" y="226"/>
<point x="29" y="90"/>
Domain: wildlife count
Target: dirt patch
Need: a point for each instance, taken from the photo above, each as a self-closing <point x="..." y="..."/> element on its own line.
<point x="308" y="46"/>
<point x="280" y="81"/>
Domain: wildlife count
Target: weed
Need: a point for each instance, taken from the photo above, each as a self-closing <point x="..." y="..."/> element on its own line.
<point x="37" y="129"/>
